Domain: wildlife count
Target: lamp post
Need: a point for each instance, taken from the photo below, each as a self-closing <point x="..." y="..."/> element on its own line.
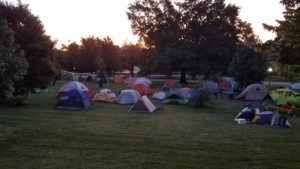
<point x="270" y="70"/>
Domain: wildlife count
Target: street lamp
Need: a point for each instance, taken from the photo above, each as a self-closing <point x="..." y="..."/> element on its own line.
<point x="270" y="70"/>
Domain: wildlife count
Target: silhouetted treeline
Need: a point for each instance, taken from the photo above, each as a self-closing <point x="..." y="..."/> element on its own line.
<point x="98" y="55"/>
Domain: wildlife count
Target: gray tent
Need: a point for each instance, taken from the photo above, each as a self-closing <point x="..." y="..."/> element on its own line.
<point x="128" y="97"/>
<point x="143" y="105"/>
<point x="253" y="92"/>
<point x="295" y="87"/>
<point x="211" y="86"/>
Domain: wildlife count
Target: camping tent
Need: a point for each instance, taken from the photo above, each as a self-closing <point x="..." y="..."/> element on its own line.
<point x="129" y="82"/>
<point x="295" y="87"/>
<point x="169" y="84"/>
<point x="143" y="105"/>
<point x="253" y="92"/>
<point x="67" y="76"/>
<point x="282" y="96"/>
<point x="211" y="86"/>
<point x="142" y="80"/>
<point x="175" y="97"/>
<point x="105" y="95"/>
<point x="128" y="97"/>
<point x="143" y="89"/>
<point x="187" y="93"/>
<point x="159" y="95"/>
<point x="253" y="114"/>
<point x="74" y="85"/>
<point x="73" y="99"/>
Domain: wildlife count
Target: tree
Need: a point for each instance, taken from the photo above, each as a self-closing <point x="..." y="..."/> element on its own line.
<point x="37" y="46"/>
<point x="289" y="72"/>
<point x="109" y="55"/>
<point x="211" y="33"/>
<point x="70" y="57"/>
<point x="157" y="24"/>
<point x="288" y="33"/>
<point x="130" y="56"/>
<point x="248" y="66"/>
<point x="90" y="55"/>
<point x="187" y="35"/>
<point x="13" y="67"/>
<point x="287" y="41"/>
<point x="246" y="35"/>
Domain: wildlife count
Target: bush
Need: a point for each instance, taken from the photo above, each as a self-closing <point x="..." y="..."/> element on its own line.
<point x="13" y="66"/>
<point x="293" y="111"/>
<point x="203" y="97"/>
<point x="248" y="66"/>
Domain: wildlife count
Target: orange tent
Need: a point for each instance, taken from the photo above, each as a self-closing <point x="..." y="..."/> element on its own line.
<point x="105" y="95"/>
<point x="142" y="89"/>
<point x="169" y="82"/>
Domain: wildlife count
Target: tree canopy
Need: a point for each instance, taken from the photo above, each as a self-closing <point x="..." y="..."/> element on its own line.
<point x="288" y="33"/>
<point x="13" y="67"/>
<point x="187" y="36"/>
<point x="29" y="34"/>
<point x="92" y="55"/>
<point x="130" y="56"/>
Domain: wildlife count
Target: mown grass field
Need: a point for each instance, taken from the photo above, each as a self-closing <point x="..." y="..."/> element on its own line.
<point x="38" y="136"/>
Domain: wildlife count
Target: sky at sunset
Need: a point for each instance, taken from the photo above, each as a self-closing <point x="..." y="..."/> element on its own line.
<point x="69" y="20"/>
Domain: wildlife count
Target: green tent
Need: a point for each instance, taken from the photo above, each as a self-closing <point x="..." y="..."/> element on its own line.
<point x="282" y="96"/>
<point x="175" y="98"/>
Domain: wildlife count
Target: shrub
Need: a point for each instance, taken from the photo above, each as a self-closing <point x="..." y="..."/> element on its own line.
<point x="203" y="97"/>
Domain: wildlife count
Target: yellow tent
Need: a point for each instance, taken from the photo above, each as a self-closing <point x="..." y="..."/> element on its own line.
<point x="105" y="95"/>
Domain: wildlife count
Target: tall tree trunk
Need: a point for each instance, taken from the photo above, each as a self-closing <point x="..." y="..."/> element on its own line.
<point x="182" y="76"/>
<point x="131" y="70"/>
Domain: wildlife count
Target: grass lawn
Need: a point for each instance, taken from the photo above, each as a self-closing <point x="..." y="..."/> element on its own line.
<point x="38" y="136"/>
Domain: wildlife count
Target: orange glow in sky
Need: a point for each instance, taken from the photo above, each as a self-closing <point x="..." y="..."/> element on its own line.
<point x="69" y="20"/>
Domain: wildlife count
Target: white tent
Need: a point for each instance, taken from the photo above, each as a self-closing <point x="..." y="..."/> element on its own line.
<point x="142" y="80"/>
<point x="128" y="97"/>
<point x="159" y="95"/>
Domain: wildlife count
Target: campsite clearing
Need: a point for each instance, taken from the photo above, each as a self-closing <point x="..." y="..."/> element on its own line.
<point x="39" y="136"/>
